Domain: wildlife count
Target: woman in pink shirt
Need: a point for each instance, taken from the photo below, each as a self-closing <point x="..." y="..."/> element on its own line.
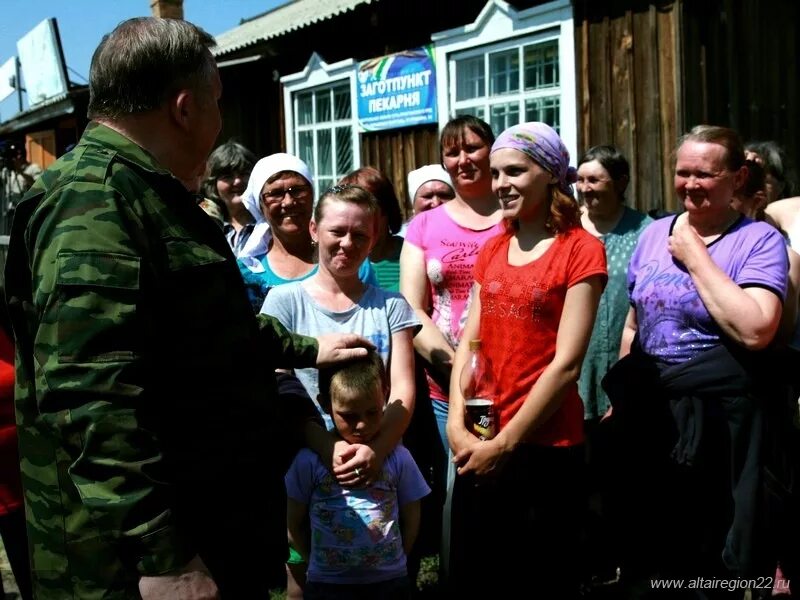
<point x="440" y="251"/>
<point x="436" y="263"/>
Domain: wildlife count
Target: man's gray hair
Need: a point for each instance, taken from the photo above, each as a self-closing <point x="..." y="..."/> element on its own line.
<point x="143" y="62"/>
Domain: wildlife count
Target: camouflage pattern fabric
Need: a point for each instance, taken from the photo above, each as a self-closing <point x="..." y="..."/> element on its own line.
<point x="146" y="396"/>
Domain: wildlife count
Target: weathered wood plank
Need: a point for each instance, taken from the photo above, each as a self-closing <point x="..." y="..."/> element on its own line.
<point x="671" y="116"/>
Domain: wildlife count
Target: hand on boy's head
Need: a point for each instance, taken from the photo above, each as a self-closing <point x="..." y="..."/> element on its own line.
<point x="340" y="347"/>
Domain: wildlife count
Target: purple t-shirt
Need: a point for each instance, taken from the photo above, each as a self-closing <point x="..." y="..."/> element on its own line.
<point x="674" y="324"/>
<point x="355" y="532"/>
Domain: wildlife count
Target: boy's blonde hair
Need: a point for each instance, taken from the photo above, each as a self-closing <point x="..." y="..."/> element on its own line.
<point x="359" y="375"/>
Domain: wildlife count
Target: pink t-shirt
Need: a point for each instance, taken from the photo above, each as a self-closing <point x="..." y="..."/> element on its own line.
<point x="450" y="253"/>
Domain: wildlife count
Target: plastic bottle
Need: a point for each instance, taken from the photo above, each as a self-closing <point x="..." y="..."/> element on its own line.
<point x="479" y="389"/>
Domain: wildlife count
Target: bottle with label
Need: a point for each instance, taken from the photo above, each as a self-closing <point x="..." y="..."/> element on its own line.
<point x="479" y="389"/>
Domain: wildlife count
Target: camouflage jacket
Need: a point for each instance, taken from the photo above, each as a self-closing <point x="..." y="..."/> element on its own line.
<point x="146" y="394"/>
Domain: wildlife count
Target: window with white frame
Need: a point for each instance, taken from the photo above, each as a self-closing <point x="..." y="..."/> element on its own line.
<point x="510" y="66"/>
<point x="323" y="129"/>
<point x="321" y="126"/>
<point x="505" y="84"/>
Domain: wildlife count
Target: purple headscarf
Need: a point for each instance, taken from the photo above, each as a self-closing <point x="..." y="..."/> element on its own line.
<point x="542" y="144"/>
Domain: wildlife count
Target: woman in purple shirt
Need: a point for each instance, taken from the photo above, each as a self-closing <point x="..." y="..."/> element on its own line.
<point x="706" y="289"/>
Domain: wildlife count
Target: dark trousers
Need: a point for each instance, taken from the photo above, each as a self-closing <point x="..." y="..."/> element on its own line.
<point x="519" y="536"/>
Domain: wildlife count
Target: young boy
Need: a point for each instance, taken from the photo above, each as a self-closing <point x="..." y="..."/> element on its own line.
<point x="355" y="540"/>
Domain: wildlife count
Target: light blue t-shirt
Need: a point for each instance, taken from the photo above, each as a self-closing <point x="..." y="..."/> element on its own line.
<point x="377" y="315"/>
<point x="259" y="277"/>
<point x="356" y="535"/>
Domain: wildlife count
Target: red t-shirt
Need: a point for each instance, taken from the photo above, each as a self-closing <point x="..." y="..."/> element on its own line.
<point x="10" y="484"/>
<point x="520" y="313"/>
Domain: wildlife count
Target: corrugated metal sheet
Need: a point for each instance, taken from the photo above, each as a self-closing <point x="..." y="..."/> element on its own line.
<point x="292" y="16"/>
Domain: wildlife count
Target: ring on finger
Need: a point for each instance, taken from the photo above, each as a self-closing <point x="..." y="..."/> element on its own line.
<point x="358" y="472"/>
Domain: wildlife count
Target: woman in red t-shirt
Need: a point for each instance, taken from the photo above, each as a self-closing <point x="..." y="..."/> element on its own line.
<point x="12" y="511"/>
<point x="536" y="291"/>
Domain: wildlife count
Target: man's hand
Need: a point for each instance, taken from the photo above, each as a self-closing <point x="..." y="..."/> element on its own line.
<point x="341" y="347"/>
<point x="193" y="582"/>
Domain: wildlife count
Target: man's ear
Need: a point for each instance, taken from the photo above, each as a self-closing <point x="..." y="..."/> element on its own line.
<point x="180" y="107"/>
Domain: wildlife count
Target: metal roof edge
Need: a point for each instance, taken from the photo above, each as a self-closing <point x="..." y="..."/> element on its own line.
<point x="259" y="22"/>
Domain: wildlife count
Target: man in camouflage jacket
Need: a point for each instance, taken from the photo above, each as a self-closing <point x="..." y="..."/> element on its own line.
<point x="146" y="398"/>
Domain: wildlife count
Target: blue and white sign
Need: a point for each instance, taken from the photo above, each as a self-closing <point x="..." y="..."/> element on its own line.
<point x="398" y="90"/>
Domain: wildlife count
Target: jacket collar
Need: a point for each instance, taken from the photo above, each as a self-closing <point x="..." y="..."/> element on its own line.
<point x="97" y="134"/>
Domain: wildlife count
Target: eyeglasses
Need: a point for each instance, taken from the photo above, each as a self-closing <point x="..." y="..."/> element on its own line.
<point x="297" y="192"/>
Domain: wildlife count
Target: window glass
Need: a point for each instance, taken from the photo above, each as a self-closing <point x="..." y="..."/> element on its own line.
<point x="323" y="106"/>
<point x="470" y="79"/>
<point x="475" y="111"/>
<point x="305" y="148"/>
<point x="324" y="157"/>
<point x="545" y="109"/>
<point x="510" y="82"/>
<point x="504" y="116"/>
<point x="324" y="130"/>
<point x="305" y="109"/>
<point x="541" y="66"/>
<point x="344" y="150"/>
<point x="504" y="72"/>
<point x="341" y="102"/>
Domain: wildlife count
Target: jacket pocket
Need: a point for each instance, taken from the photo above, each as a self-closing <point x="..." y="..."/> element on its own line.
<point x="97" y="295"/>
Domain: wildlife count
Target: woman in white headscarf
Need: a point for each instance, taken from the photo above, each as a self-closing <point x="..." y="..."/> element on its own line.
<point x="428" y="187"/>
<point x="280" y="196"/>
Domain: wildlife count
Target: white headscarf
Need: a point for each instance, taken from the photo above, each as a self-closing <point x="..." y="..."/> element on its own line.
<point x="258" y="242"/>
<point x="423" y="175"/>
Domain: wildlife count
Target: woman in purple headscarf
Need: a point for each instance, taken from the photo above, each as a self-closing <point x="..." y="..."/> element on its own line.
<point x="535" y="296"/>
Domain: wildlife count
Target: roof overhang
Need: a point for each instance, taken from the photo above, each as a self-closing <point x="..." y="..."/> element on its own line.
<point x="52" y="108"/>
<point x="289" y="17"/>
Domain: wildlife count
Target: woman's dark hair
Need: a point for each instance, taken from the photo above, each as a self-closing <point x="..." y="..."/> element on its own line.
<point x="613" y="161"/>
<point x="756" y="179"/>
<point x="143" y="62"/>
<point x="776" y="163"/>
<point x="351" y="194"/>
<point x="227" y="159"/>
<point x="453" y="132"/>
<point x="375" y="182"/>
<point x="725" y="137"/>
